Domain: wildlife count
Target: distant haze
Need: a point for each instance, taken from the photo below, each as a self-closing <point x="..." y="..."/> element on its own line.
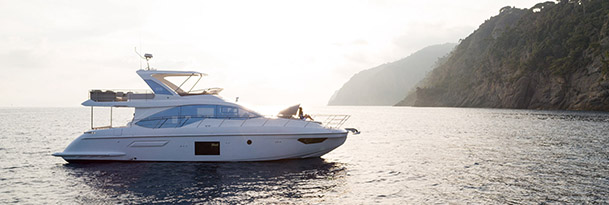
<point x="265" y="52"/>
<point x="389" y="83"/>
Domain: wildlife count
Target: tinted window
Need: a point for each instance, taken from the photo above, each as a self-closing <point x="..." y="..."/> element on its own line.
<point x="188" y="114"/>
<point x="234" y="112"/>
<point x="227" y="112"/>
<point x="192" y="120"/>
<point x="198" y="110"/>
<point x="247" y="114"/>
<point x="173" y="122"/>
<point x="149" y="123"/>
<point x="172" y="112"/>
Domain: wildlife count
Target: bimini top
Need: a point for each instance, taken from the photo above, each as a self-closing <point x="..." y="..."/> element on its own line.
<point x="157" y="80"/>
<point x="162" y="89"/>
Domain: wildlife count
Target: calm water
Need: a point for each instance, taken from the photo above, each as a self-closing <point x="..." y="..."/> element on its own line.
<point x="416" y="155"/>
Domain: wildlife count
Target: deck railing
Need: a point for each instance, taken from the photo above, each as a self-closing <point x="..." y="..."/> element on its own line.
<point x="331" y="121"/>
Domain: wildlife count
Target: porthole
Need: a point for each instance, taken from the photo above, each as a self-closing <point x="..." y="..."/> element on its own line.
<point x="249" y="142"/>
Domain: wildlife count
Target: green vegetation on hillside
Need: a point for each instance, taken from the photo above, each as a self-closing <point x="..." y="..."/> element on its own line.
<point x="551" y="56"/>
<point x="559" y="37"/>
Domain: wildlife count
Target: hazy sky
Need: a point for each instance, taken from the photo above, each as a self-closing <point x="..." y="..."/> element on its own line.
<point x="265" y="52"/>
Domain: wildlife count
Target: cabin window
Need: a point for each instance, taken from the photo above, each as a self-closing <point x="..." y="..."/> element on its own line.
<point x="227" y="112"/>
<point x="207" y="148"/>
<point x="188" y="114"/>
<point x="149" y="123"/>
<point x="171" y="112"/>
<point x="198" y="110"/>
<point x="192" y="120"/>
<point x="173" y="122"/>
<point x="235" y="112"/>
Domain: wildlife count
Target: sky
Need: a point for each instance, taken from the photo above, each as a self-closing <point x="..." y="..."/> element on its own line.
<point x="264" y="52"/>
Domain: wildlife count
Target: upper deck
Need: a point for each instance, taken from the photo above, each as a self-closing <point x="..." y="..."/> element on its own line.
<point x="162" y="90"/>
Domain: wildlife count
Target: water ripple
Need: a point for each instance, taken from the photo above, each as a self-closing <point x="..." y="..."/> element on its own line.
<point x="405" y="155"/>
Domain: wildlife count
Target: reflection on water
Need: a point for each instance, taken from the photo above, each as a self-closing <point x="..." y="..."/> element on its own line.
<point x="404" y="155"/>
<point x="259" y="182"/>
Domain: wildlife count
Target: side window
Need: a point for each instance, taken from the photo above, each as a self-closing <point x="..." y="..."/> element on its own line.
<point x="173" y="122"/>
<point x="150" y="123"/>
<point x="198" y="111"/>
<point x="172" y="112"/>
<point x="188" y="114"/>
<point x="227" y="112"/>
<point x="234" y="112"/>
<point x="247" y="114"/>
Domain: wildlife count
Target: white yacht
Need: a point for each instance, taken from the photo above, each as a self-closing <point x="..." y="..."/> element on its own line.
<point x="172" y="123"/>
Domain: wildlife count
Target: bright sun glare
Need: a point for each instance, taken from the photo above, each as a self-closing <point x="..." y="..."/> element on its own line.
<point x="264" y="52"/>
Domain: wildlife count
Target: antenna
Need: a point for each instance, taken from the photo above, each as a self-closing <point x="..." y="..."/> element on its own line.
<point x="135" y="48"/>
<point x="147" y="57"/>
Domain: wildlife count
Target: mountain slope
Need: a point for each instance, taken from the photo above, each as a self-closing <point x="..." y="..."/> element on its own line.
<point x="552" y="56"/>
<point x="388" y="83"/>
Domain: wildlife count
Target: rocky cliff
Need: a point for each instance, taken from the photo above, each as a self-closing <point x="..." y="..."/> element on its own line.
<point x="387" y="84"/>
<point x="552" y="56"/>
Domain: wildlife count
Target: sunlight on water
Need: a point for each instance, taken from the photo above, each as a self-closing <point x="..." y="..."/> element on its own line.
<point x="412" y="155"/>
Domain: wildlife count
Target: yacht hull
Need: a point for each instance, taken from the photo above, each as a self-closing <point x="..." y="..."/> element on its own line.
<point x="202" y="148"/>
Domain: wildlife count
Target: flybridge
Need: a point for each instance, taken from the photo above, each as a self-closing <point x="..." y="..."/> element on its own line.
<point x="162" y="89"/>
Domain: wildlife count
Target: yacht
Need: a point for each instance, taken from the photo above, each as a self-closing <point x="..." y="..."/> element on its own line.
<point x="174" y="123"/>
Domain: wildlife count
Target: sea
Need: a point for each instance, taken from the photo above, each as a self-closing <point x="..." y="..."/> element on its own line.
<point x="404" y="155"/>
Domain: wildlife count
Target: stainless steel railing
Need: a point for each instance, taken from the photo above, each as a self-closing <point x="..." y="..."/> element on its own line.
<point x="331" y="121"/>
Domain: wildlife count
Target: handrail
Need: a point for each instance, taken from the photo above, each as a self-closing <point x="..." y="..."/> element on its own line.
<point x="326" y="120"/>
<point x="332" y="121"/>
